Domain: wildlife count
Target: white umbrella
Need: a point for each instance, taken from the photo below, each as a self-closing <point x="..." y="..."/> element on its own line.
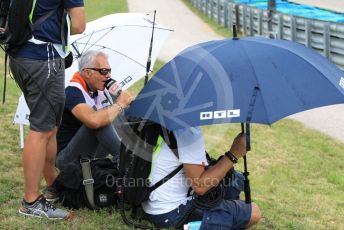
<point x="125" y="38"/>
<point x="22" y="117"/>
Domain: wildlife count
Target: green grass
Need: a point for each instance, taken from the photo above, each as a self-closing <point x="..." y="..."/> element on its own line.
<point x="297" y="174"/>
<point x="221" y="30"/>
<point x="96" y="9"/>
<point x="136" y="88"/>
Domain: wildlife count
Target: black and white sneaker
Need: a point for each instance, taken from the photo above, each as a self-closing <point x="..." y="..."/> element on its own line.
<point x="43" y="209"/>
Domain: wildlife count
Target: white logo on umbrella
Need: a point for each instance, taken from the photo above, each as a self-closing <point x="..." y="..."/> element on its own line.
<point x="219" y="114"/>
<point x="341" y="82"/>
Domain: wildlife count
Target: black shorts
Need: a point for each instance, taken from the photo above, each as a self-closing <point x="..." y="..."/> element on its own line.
<point x="42" y="83"/>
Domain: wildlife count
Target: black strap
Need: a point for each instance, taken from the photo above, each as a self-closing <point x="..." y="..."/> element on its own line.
<point x="173" y="144"/>
<point x="170" y="140"/>
<point x="166" y="178"/>
<point x="4" y="93"/>
<point x="42" y="19"/>
<point x="63" y="30"/>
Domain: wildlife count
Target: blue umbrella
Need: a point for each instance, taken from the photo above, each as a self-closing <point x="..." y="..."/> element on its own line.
<point x="252" y="79"/>
<point x="248" y="80"/>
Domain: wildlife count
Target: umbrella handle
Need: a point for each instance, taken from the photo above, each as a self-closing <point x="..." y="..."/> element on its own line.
<point x="248" y="135"/>
<point x="247" y="187"/>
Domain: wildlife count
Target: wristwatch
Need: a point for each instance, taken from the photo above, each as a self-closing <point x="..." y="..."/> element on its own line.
<point x="231" y="157"/>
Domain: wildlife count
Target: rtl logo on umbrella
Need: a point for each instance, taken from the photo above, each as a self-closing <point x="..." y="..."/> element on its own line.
<point x="219" y="114"/>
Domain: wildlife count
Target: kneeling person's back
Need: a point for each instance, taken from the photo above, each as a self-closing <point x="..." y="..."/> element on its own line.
<point x="174" y="192"/>
<point x="170" y="205"/>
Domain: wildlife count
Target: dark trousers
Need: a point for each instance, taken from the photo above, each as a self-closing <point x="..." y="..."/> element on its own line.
<point x="90" y="143"/>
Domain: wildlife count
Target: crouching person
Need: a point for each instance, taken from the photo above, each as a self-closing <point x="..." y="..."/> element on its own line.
<point x="169" y="204"/>
<point x="89" y="112"/>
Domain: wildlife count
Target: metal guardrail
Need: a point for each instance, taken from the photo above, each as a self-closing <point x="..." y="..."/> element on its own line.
<point x="325" y="37"/>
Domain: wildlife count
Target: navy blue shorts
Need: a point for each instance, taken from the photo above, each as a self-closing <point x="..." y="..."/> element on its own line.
<point x="229" y="214"/>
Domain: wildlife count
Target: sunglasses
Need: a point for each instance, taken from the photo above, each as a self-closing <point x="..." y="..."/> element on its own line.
<point x="102" y="71"/>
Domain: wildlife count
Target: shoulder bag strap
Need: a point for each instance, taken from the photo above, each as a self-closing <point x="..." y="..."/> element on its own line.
<point x="166" y="178"/>
<point x="42" y="19"/>
<point x="173" y="146"/>
<point x="88" y="180"/>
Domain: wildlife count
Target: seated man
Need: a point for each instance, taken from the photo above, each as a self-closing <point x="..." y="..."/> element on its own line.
<point x="168" y="204"/>
<point x="89" y="111"/>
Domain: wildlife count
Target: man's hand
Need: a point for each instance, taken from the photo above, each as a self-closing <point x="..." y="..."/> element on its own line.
<point x="239" y="145"/>
<point x="124" y="99"/>
<point x="202" y="180"/>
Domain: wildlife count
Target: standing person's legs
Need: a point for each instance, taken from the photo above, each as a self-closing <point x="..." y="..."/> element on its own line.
<point x="49" y="171"/>
<point x="44" y="94"/>
<point x="34" y="155"/>
<point x="42" y="83"/>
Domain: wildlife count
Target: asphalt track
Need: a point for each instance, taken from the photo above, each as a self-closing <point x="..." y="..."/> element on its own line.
<point x="334" y="5"/>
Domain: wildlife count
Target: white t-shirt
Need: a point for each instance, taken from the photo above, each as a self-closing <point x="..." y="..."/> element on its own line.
<point x="173" y="193"/>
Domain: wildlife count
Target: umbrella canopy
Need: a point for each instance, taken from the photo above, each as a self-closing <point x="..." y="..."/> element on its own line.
<point x="126" y="38"/>
<point x="252" y="79"/>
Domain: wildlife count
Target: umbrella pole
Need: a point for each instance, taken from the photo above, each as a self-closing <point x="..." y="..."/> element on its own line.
<point x="247" y="188"/>
<point x="76" y="50"/>
<point x="149" y="61"/>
